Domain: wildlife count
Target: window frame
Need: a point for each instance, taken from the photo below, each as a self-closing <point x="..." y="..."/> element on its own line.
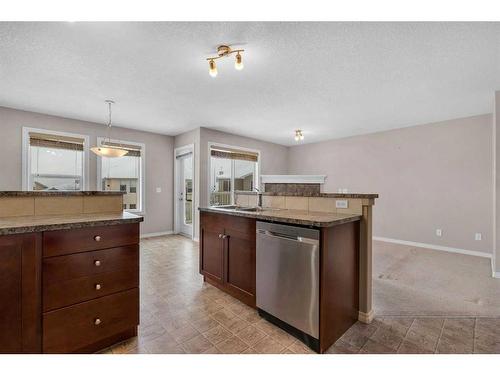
<point x="26" y="156"/>
<point x="239" y="148"/>
<point x="142" y="172"/>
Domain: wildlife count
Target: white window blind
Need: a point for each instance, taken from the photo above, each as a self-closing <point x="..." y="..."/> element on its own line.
<point x="56" y="162"/>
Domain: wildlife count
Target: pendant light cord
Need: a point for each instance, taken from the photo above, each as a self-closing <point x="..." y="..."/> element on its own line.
<point x="109" y="122"/>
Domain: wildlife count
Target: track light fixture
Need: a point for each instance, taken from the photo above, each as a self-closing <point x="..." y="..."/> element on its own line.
<point x="224" y="51"/>
<point x="298" y="135"/>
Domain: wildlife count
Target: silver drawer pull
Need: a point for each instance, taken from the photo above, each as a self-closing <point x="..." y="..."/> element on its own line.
<point x="97" y="286"/>
<point x="97" y="238"/>
<point x="97" y="263"/>
<point x="97" y="321"/>
<point x="220" y="235"/>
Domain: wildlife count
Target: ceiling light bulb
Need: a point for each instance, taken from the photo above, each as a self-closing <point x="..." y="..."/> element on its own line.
<point x="238" y="64"/>
<point x="213" y="68"/>
<point x="297" y="138"/>
<point x="301" y="136"/>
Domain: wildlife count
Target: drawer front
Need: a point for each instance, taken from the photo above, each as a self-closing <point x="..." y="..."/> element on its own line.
<point x="76" y="328"/>
<point x="68" y="267"/>
<point x="71" y="241"/>
<point x="64" y="293"/>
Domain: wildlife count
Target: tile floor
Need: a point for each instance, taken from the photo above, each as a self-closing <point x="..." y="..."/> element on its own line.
<point x="180" y="314"/>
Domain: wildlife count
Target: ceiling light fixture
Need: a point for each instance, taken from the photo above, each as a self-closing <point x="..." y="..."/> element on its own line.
<point x="298" y="135"/>
<point x="106" y="149"/>
<point x="224" y="51"/>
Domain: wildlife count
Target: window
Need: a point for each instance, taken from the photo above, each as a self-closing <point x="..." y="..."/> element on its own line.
<point x="125" y="174"/>
<point x="54" y="160"/>
<point x="231" y="169"/>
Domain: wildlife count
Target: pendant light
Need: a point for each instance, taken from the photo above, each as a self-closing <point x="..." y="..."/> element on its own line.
<point x="106" y="149"/>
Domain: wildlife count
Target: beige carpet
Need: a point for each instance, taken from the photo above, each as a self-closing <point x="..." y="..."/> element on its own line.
<point x="416" y="281"/>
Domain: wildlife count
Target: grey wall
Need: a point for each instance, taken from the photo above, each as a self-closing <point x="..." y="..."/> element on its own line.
<point x="159" y="159"/>
<point x="428" y="176"/>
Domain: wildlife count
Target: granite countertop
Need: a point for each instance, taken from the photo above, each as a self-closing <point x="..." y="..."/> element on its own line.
<point x="30" y="224"/>
<point x="58" y="193"/>
<point x="315" y="219"/>
<point x="320" y="195"/>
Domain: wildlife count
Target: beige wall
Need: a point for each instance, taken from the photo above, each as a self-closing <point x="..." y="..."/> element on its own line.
<point x="159" y="159"/>
<point x="429" y="176"/>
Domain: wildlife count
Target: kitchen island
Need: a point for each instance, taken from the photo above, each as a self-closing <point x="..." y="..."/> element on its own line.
<point x="229" y="260"/>
<point x="302" y="258"/>
<point x="69" y="271"/>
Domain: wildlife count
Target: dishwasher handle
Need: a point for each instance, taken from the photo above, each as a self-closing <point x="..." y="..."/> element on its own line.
<point x="287" y="236"/>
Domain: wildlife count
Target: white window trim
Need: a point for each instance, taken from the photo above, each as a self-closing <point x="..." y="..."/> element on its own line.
<point x="177" y="152"/>
<point x="142" y="176"/>
<point x="215" y="144"/>
<point x="26" y="160"/>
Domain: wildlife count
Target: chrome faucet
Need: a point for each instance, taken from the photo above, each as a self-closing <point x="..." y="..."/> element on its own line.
<point x="259" y="195"/>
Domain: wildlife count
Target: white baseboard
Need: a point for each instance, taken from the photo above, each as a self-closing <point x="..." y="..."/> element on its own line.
<point x="156" y="234"/>
<point x="434" y="247"/>
<point x="493" y="269"/>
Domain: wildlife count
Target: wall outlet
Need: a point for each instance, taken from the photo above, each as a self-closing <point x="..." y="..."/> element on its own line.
<point x="478" y="237"/>
<point x="439" y="232"/>
<point x="158" y="189"/>
<point x="342" y="203"/>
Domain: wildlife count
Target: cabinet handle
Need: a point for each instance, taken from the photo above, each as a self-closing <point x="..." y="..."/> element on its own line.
<point x="97" y="263"/>
<point x="97" y="286"/>
<point x="97" y="321"/>
<point x="220" y="235"/>
<point x="97" y="238"/>
<point x="225" y="236"/>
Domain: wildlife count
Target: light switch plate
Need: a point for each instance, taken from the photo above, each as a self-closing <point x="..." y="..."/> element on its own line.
<point x="158" y="189"/>
<point x="478" y="237"/>
<point x="439" y="232"/>
<point x="342" y="203"/>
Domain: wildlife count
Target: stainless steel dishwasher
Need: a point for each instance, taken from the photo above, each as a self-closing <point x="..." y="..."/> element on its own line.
<point x="287" y="294"/>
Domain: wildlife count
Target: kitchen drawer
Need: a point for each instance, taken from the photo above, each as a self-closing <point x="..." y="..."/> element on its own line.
<point x="67" y="267"/>
<point x="77" y="328"/>
<point x="64" y="293"/>
<point x="71" y="241"/>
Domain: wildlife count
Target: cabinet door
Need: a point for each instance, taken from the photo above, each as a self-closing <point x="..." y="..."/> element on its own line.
<point x="20" y="293"/>
<point x="239" y="262"/>
<point x="211" y="253"/>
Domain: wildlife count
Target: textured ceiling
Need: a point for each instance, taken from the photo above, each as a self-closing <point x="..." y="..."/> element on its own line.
<point x="329" y="79"/>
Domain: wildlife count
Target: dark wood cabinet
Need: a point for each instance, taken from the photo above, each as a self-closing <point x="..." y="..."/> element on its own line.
<point x="211" y="259"/>
<point x="227" y="254"/>
<point x="88" y="280"/>
<point x="239" y="261"/>
<point x="20" y="294"/>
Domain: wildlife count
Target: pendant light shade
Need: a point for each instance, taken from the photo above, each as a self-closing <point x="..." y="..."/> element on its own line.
<point x="109" y="152"/>
<point x="105" y="150"/>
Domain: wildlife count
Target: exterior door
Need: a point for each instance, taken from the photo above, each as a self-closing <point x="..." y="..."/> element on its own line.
<point x="185" y="194"/>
